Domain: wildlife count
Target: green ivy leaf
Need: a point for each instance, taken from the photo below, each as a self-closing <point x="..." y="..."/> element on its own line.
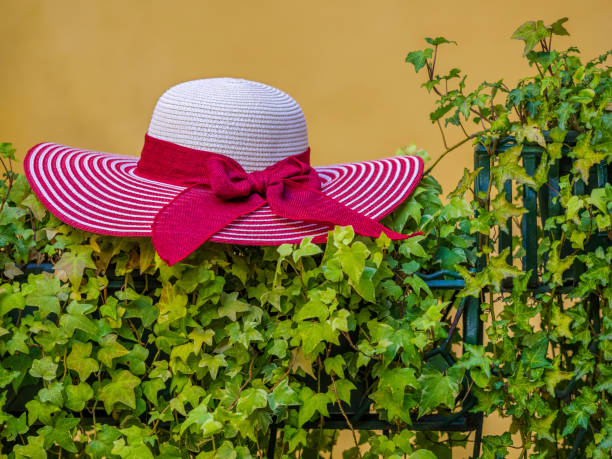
<point x="542" y="427"/>
<point x="312" y="403"/>
<point x="495" y="446"/>
<point x="110" y="350"/>
<point x="73" y="264"/>
<point x="306" y="249"/>
<point x="201" y="337"/>
<point x="119" y="391"/>
<point x="580" y="410"/>
<point x="151" y="388"/>
<point x="102" y="445"/>
<point x="423" y="454"/>
<point x="60" y="433"/>
<point x="283" y="395"/>
<point x="200" y="417"/>
<point x="77" y="396"/>
<point x="557" y="27"/>
<point x="10" y="301"/>
<point x="212" y="363"/>
<point x="344" y="388"/>
<point x="252" y="399"/>
<point x="76" y="319"/>
<point x="45" y="294"/>
<point x="172" y="304"/>
<point x="438" y="390"/>
<point x="478" y="363"/>
<point x="335" y="365"/>
<point x="535" y="356"/>
<point x="44" y="368"/>
<point x="231" y="306"/>
<point x="313" y="308"/>
<point x="531" y="33"/>
<point x="554" y="376"/>
<point x="80" y="361"/>
<point x="43" y="411"/>
<point x="411" y="247"/>
<point x="438" y="41"/>
<point x="419" y="58"/>
<point x="34" y="449"/>
<point x="52" y="394"/>
<point x="6" y="377"/>
<point x="35" y="206"/>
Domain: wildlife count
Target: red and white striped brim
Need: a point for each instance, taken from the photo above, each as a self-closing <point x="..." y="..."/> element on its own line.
<point x="102" y="193"/>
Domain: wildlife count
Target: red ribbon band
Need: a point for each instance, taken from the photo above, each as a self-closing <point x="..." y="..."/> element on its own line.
<point x="219" y="191"/>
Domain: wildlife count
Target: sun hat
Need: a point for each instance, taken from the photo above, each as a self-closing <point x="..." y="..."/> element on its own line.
<point x="224" y="160"/>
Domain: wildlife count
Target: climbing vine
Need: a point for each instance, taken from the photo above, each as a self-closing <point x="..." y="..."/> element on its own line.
<point x="542" y="204"/>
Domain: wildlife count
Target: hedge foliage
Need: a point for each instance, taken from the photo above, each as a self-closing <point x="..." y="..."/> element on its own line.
<point x="117" y="354"/>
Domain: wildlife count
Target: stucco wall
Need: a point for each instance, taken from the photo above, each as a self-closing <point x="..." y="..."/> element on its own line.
<point x="88" y="73"/>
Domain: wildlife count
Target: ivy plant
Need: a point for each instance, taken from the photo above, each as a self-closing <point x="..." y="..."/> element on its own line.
<point x="109" y="352"/>
<point x="546" y="295"/>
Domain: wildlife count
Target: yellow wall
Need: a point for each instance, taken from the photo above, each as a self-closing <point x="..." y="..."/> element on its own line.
<point x="88" y="73"/>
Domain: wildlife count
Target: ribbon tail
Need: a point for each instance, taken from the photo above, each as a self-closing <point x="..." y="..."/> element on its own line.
<point x="192" y="218"/>
<point x="296" y="202"/>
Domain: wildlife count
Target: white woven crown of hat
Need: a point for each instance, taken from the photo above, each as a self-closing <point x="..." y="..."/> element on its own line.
<point x="253" y="123"/>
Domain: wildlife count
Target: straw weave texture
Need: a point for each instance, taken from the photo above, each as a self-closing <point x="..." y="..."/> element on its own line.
<point x="253" y="123"/>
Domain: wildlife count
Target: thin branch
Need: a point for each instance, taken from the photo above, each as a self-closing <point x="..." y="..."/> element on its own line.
<point x="350" y="341"/>
<point x="519" y="114"/>
<point x="344" y="414"/>
<point x="458" y="314"/>
<point x="246" y="383"/>
<point x="539" y="71"/>
<point x="160" y="414"/>
<point x="285" y="375"/>
<point x="463" y="129"/>
<point x="482" y="119"/>
<point x="442" y="134"/>
<point x="430" y="77"/>
<point x="9" y="176"/>
<point x="454" y="147"/>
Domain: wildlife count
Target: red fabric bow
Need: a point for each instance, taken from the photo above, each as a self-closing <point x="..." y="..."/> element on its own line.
<point x="224" y="192"/>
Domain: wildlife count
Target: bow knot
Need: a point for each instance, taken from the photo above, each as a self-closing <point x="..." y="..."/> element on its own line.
<point x="258" y="181"/>
<point x="228" y="180"/>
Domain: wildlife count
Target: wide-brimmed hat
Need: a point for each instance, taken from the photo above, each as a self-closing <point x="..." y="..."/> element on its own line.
<point x="224" y="160"/>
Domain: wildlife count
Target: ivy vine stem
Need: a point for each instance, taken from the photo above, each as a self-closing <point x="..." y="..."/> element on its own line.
<point x="346" y="418"/>
<point x="449" y="150"/>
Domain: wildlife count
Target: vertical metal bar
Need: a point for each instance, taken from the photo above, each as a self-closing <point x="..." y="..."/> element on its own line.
<point x="579" y="187"/>
<point x="472" y="324"/>
<point x="481" y="184"/>
<point x="529" y="223"/>
<point x="554" y="206"/>
<point x="602" y="174"/>
<point x="478" y="438"/>
<point x="272" y="440"/>
<point x="595" y="315"/>
<point x="505" y="237"/>
<point x="577" y="443"/>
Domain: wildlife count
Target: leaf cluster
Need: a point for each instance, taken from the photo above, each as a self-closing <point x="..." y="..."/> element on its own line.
<point x="542" y="204"/>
